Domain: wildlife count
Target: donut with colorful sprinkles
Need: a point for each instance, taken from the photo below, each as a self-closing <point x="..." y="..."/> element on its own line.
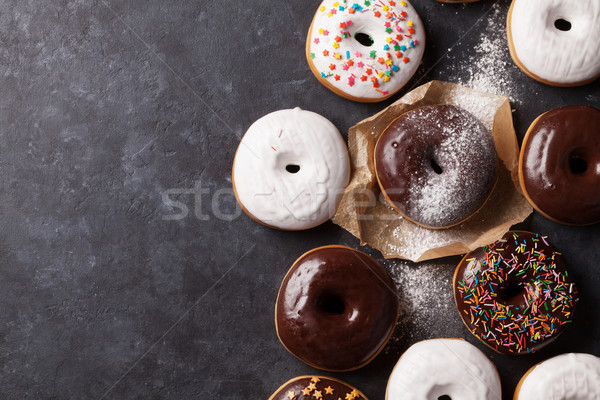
<point x="365" y="50"/>
<point x="515" y="295"/>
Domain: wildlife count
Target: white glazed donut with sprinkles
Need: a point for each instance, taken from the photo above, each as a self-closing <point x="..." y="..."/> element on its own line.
<point x="365" y="50"/>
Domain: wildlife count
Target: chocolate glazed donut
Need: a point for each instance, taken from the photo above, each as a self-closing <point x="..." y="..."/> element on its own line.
<point x="515" y="295"/>
<point x="436" y="165"/>
<point x="559" y="166"/>
<point x="336" y="308"/>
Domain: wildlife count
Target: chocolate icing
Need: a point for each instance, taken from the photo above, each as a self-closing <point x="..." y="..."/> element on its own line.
<point x="336" y="308"/>
<point x="560" y="164"/>
<point x="325" y="388"/>
<point x="515" y="288"/>
<point x="436" y="165"/>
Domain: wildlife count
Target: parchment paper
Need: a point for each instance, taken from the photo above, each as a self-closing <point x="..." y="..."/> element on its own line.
<point x="364" y="212"/>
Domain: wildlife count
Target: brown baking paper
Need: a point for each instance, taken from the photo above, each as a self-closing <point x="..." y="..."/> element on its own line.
<point x="364" y="212"/>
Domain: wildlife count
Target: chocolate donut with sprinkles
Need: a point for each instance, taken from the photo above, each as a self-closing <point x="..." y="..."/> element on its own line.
<point x="365" y="50"/>
<point x="515" y="295"/>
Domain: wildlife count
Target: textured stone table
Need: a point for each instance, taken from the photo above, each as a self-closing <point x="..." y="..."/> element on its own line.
<point x="126" y="269"/>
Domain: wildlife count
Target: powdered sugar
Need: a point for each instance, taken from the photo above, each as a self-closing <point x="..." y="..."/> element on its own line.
<point x="427" y="307"/>
<point x="489" y="66"/>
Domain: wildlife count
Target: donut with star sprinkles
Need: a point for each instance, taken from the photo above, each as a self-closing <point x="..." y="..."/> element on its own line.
<point x="515" y="295"/>
<point x="316" y="388"/>
<point x="365" y="50"/>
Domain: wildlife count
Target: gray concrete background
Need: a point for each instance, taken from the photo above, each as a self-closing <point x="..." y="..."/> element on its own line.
<point x="106" y="105"/>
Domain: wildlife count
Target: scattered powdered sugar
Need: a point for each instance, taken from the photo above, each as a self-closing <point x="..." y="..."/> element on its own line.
<point x="427" y="308"/>
<point x="420" y="241"/>
<point x="488" y="67"/>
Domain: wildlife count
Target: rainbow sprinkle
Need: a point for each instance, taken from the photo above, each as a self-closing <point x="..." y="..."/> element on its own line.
<point x="524" y="267"/>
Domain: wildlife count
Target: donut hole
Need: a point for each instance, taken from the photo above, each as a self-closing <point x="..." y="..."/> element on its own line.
<point x="292" y="168"/>
<point x="562" y="25"/>
<point x="444" y="397"/>
<point x="509" y="290"/>
<point x="436" y="167"/>
<point x="364" y="39"/>
<point x="577" y="165"/>
<point x="331" y="303"/>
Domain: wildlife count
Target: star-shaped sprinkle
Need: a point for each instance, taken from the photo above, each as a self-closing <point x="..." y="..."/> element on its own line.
<point x="306" y="391"/>
<point x="291" y="394"/>
<point x="328" y="390"/>
<point x="317" y="394"/>
<point x="315" y="379"/>
<point x="312" y="386"/>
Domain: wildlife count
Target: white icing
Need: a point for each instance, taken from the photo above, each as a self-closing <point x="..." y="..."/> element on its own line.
<point x="452" y="367"/>
<point x="326" y="27"/>
<point x="283" y="199"/>
<point x="563" y="57"/>
<point x="573" y="376"/>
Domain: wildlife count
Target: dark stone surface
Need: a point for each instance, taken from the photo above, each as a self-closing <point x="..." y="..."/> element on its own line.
<point x="105" y="106"/>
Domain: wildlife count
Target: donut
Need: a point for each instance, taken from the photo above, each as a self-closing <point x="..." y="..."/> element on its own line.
<point x="316" y="388"/>
<point x="289" y="170"/>
<point x="443" y="369"/>
<point x="365" y="50"/>
<point x="336" y="308"/>
<point x="559" y="165"/>
<point x="515" y="295"/>
<point x="436" y="165"/>
<point x="556" y="42"/>
<point x="573" y="376"/>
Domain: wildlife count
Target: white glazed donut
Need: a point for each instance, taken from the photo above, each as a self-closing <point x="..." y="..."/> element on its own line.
<point x="365" y="50"/>
<point x="556" y="42"/>
<point x="436" y="368"/>
<point x="573" y="376"/>
<point x="290" y="168"/>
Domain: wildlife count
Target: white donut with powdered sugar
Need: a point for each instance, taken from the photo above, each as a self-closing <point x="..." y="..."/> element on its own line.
<point x="442" y="368"/>
<point x="556" y="42"/>
<point x="365" y="50"/>
<point x="290" y="168"/>
<point x="573" y="376"/>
